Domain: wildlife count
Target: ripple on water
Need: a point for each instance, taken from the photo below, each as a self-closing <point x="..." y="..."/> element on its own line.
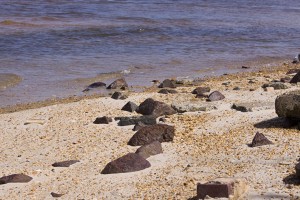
<point x="9" y="80"/>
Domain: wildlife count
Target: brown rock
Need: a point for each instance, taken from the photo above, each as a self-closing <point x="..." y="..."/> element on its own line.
<point x="150" y="149"/>
<point x="118" y="84"/>
<point x="130" y="107"/>
<point x="67" y="163"/>
<point x="15" y="178"/>
<point x="216" y="96"/>
<point x="138" y="126"/>
<point x="156" y="108"/>
<point x="260" y="140"/>
<point x="53" y="194"/>
<point x="149" y="134"/>
<point x="131" y="162"/>
<point x="297" y="168"/>
<point x="102" y="120"/>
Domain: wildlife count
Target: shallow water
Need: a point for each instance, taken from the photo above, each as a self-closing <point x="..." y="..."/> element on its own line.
<point x="51" y="43"/>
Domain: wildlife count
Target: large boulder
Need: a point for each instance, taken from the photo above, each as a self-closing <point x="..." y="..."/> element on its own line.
<point x="15" y="178"/>
<point x="151" y="149"/>
<point x="148" y="134"/>
<point x="118" y="84"/>
<point x="131" y="162"/>
<point x="156" y="108"/>
<point x="288" y="105"/>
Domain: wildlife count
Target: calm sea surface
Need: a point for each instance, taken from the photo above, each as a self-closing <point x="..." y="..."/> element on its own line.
<point x="53" y="44"/>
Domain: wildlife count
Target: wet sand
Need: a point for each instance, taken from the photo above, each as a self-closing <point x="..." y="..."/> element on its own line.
<point x="207" y="145"/>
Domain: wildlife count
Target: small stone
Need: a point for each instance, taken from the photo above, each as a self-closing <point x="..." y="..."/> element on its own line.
<point x="216" y="96"/>
<point x="102" y="120"/>
<point x="130" y="107"/>
<point x="167" y="91"/>
<point x="67" y="163"/>
<point x="119" y="83"/>
<point x="201" y="90"/>
<point x="168" y="83"/>
<point x="150" y="149"/>
<point x="53" y="194"/>
<point x="226" y="83"/>
<point x="276" y="85"/>
<point x="260" y="140"/>
<point x="245" y="67"/>
<point x="236" y="88"/>
<point x="15" y="178"/>
<point x="118" y="95"/>
<point x="131" y="162"/>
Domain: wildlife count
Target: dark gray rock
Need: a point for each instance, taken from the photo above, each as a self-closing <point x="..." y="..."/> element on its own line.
<point x="126" y="121"/>
<point x="151" y="149"/>
<point x="118" y="95"/>
<point x="260" y="140"/>
<point x="296" y="78"/>
<point x="148" y="134"/>
<point x="201" y="90"/>
<point x="168" y="83"/>
<point x="102" y="120"/>
<point x="66" y="163"/>
<point x="252" y="106"/>
<point x="15" y="178"/>
<point x="94" y="85"/>
<point x="156" y="108"/>
<point x="118" y="84"/>
<point x="245" y="67"/>
<point x="297" y="168"/>
<point x="167" y="91"/>
<point x="216" y="96"/>
<point x="130" y="107"/>
<point x="56" y="195"/>
<point x="131" y="162"/>
<point x="288" y="105"/>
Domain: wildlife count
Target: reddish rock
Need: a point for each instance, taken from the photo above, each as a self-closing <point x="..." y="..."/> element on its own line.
<point x="216" y="96"/>
<point x="15" y="178"/>
<point x="131" y="162"/>
<point x="260" y="140"/>
<point x="150" y="149"/>
<point x="149" y="134"/>
<point x="66" y="163"/>
<point x="102" y="120"/>
<point x="156" y="108"/>
<point x="118" y="84"/>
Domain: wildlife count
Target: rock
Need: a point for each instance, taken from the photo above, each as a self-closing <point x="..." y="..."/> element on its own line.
<point x="167" y="91"/>
<point x="293" y="71"/>
<point x="216" y="96"/>
<point x="150" y="149"/>
<point x="94" y="85"/>
<point x="201" y="96"/>
<point x="285" y="79"/>
<point x="66" y="163"/>
<point x="232" y="188"/>
<point x="126" y="121"/>
<point x="236" y="88"/>
<point x="296" y="59"/>
<point x="148" y="134"/>
<point x="244" y="67"/>
<point x="189" y="106"/>
<point x="118" y="95"/>
<point x="156" y="108"/>
<point x="288" y="105"/>
<point x="297" y="168"/>
<point x="118" y="84"/>
<point x="201" y="90"/>
<point x="168" y="83"/>
<point x="53" y="194"/>
<point x="138" y="126"/>
<point x="226" y="83"/>
<point x="260" y="140"/>
<point x="130" y="106"/>
<point x="252" y="106"/>
<point x="131" y="162"/>
<point x="15" y="178"/>
<point x="102" y="120"/>
<point x="296" y="78"/>
<point x="276" y="86"/>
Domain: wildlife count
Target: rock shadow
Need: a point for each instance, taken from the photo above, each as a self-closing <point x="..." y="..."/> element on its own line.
<point x="292" y="179"/>
<point x="277" y="122"/>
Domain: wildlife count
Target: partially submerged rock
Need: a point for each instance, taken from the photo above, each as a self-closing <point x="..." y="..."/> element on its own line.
<point x="130" y="107"/>
<point x="156" y="108"/>
<point x="94" y="85"/>
<point x="149" y="134"/>
<point x="15" y="178"/>
<point x="288" y="105"/>
<point x="216" y="96"/>
<point x="66" y="163"/>
<point x="118" y="84"/>
<point x="126" y="121"/>
<point x="260" y="140"/>
<point x="150" y="149"/>
<point x="131" y="162"/>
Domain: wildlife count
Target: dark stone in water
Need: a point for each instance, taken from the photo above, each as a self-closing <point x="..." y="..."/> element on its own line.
<point x="102" y="120"/>
<point x="94" y="85"/>
<point x="201" y="90"/>
<point x="67" y="163"/>
<point x="245" y="67"/>
<point x="260" y="140"/>
<point x="15" y="178"/>
<point x="131" y="162"/>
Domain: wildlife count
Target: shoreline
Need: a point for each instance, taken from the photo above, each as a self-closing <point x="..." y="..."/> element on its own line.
<point x="209" y="143"/>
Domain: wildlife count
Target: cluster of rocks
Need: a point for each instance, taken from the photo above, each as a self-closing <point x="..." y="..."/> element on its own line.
<point x="117" y="84"/>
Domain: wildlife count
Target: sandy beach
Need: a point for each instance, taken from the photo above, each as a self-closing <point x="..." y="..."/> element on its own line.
<point x="207" y="144"/>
